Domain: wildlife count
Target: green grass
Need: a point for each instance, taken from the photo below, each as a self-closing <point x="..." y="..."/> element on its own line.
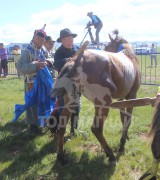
<point x="25" y="158"/>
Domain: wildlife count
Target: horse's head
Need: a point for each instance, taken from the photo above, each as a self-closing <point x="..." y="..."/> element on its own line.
<point x="63" y="89"/>
<point x="63" y="80"/>
<point x="112" y="45"/>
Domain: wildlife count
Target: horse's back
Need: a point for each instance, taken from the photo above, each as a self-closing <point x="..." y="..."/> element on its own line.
<point x="116" y="68"/>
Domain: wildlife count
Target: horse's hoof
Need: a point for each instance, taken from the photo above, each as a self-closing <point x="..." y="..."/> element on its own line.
<point x="62" y="159"/>
<point x="113" y="163"/>
<point x="147" y="175"/>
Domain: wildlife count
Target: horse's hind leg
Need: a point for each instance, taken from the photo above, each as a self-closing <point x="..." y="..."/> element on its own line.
<point x="97" y="129"/>
<point x="126" y="121"/>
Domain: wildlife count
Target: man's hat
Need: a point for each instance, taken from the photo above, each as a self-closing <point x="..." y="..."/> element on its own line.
<point x="40" y="32"/>
<point x="1" y="44"/>
<point x="49" y="39"/>
<point x="89" y="13"/>
<point x="65" y="33"/>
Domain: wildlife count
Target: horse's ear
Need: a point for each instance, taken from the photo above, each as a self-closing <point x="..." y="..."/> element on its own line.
<point x="110" y="37"/>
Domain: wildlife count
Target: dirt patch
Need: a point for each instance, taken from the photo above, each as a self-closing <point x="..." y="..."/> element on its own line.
<point x="94" y="148"/>
<point x="136" y="174"/>
<point x="144" y="136"/>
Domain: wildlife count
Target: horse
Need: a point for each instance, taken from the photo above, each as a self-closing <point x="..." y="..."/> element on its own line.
<point x="154" y="134"/>
<point x="114" y="44"/>
<point x="100" y="76"/>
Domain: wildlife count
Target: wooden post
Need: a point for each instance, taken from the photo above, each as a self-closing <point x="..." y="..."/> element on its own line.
<point x="133" y="103"/>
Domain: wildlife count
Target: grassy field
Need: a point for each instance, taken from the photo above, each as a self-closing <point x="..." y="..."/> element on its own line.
<point x="24" y="158"/>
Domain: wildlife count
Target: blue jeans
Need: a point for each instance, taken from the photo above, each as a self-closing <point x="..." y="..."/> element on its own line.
<point x="98" y="29"/>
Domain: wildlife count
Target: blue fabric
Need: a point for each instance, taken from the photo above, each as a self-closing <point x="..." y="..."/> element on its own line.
<point x="94" y="19"/>
<point x="120" y="48"/>
<point x="39" y="96"/>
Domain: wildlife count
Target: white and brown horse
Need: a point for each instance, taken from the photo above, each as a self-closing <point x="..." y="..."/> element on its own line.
<point x="100" y="76"/>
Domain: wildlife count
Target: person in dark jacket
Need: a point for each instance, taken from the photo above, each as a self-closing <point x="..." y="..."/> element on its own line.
<point x="64" y="54"/>
<point x="97" y="23"/>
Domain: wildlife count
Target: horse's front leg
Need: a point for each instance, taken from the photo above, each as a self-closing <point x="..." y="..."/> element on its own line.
<point x="61" y="127"/>
<point x="63" y="120"/>
<point x="97" y="129"/>
<point x="126" y="121"/>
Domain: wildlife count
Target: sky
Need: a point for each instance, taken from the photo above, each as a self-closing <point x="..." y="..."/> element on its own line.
<point x="136" y="20"/>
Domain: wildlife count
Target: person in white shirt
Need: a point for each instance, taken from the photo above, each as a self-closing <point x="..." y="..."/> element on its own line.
<point x="16" y="52"/>
<point x="153" y="56"/>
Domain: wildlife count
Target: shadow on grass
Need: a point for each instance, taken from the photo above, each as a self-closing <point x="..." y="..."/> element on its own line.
<point x="14" y="128"/>
<point x="19" y="152"/>
<point x="85" y="168"/>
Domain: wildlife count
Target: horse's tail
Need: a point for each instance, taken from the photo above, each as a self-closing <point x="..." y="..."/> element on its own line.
<point x="155" y="127"/>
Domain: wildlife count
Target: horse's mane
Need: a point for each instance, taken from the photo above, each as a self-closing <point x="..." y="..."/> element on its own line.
<point x="67" y="70"/>
<point x="128" y="51"/>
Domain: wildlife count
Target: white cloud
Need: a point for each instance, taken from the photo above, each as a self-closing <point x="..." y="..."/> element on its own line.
<point x="135" y="19"/>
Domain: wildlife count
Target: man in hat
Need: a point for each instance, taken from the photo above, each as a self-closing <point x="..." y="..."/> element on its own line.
<point x="30" y="61"/>
<point x="97" y="23"/>
<point x="63" y="55"/>
<point x="119" y="40"/>
<point x="49" y="54"/>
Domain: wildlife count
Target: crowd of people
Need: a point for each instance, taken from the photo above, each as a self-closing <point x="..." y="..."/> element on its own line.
<point x="38" y="54"/>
